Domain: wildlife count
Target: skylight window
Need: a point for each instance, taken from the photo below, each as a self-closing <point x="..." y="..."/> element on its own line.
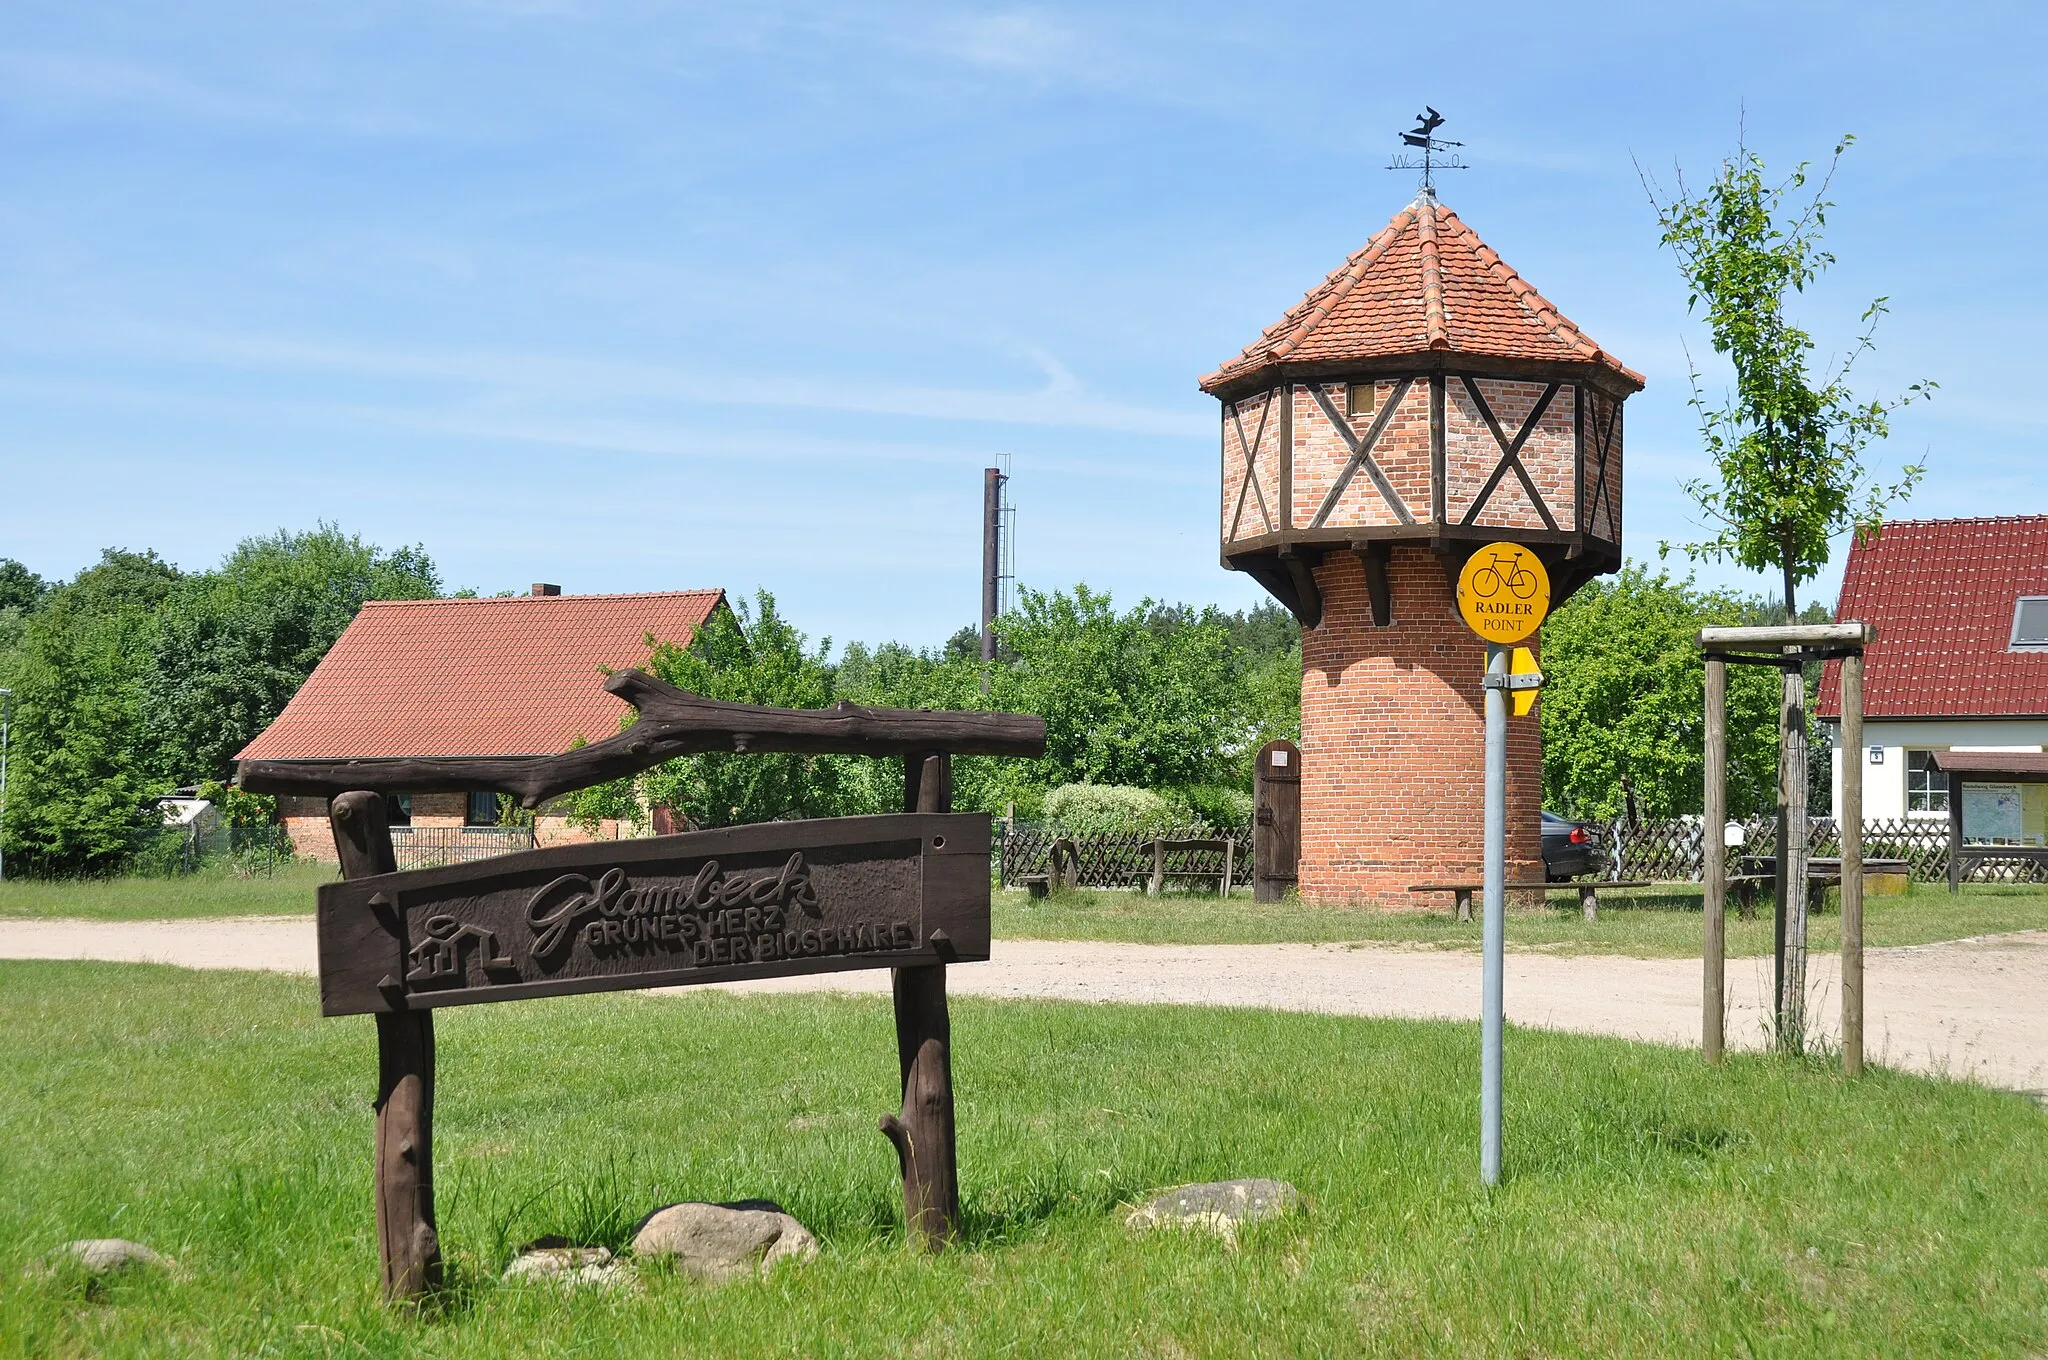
<point x="2030" y="624"/>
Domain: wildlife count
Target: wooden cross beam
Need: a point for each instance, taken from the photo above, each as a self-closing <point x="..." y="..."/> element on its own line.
<point x="1361" y="454"/>
<point x="1251" y="464"/>
<point x="1510" y="452"/>
<point x="673" y="722"/>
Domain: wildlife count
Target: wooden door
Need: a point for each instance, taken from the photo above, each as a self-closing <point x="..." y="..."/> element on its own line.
<point x="1276" y="821"/>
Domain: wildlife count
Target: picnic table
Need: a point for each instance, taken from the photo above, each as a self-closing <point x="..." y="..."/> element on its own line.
<point x="1587" y="889"/>
<point x="1822" y="872"/>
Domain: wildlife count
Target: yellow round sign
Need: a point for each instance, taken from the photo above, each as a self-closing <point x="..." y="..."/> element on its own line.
<point x="1503" y="592"/>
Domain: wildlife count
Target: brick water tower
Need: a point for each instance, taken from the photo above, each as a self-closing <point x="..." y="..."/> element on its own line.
<point x="1421" y="402"/>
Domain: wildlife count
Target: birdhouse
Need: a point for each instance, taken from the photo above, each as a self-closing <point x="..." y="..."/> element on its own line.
<point x="1419" y="403"/>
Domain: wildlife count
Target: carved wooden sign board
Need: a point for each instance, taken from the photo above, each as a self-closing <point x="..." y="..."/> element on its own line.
<point x="770" y="900"/>
<point x="908" y="892"/>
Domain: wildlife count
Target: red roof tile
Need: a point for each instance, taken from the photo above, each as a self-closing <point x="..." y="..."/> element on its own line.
<point x="507" y="677"/>
<point x="1425" y="284"/>
<point x="1941" y="592"/>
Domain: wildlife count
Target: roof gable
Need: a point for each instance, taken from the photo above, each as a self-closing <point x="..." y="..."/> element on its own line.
<point x="1942" y="593"/>
<point x="1425" y="284"/>
<point x="516" y="676"/>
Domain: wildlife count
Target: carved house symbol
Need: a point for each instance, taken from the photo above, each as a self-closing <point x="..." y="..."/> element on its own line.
<point x="437" y="961"/>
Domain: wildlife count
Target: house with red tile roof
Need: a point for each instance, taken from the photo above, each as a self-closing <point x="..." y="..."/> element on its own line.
<point x="1960" y="664"/>
<point x="511" y="676"/>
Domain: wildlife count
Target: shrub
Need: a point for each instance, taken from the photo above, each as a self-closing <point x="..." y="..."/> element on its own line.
<point x="1219" y="805"/>
<point x="1113" y="808"/>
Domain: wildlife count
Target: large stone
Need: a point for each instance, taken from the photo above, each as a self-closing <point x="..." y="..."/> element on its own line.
<point x="110" y="1255"/>
<point x="567" y="1265"/>
<point x="720" y="1241"/>
<point x="1216" y="1206"/>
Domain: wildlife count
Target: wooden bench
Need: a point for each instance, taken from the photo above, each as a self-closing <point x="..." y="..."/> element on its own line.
<point x="1160" y="849"/>
<point x="1062" y="870"/>
<point x="1587" y="889"/>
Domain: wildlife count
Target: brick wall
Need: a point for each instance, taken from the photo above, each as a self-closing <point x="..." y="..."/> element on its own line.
<point x="1394" y="744"/>
<point x="305" y="821"/>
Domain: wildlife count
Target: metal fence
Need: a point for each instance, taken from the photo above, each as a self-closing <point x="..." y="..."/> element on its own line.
<point x="1120" y="859"/>
<point x="1670" y="849"/>
<point x="422" y="847"/>
<point x="183" y="847"/>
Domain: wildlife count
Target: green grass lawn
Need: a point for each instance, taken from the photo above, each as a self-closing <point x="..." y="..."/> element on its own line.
<point x="1651" y="1205"/>
<point x="1645" y="923"/>
<point x="209" y="892"/>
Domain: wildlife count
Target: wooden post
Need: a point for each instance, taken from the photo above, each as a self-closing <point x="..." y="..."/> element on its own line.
<point x="1714" y="865"/>
<point x="1852" y="864"/>
<point x="1589" y="901"/>
<point x="1792" y="856"/>
<point x="1955" y="832"/>
<point x="923" y="1133"/>
<point x="407" y="1242"/>
<point x="1158" y="883"/>
<point x="1229" y="864"/>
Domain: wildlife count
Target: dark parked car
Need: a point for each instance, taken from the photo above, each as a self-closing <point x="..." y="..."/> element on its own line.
<point x="1569" y="849"/>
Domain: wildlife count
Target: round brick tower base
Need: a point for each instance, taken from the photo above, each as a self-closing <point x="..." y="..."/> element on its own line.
<point x="1393" y="741"/>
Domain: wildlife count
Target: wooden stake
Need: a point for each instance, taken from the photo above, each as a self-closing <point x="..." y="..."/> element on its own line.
<point x="923" y="1134"/>
<point x="407" y="1242"/>
<point x="1852" y="864"/>
<point x="1955" y="832"/>
<point x="1714" y="864"/>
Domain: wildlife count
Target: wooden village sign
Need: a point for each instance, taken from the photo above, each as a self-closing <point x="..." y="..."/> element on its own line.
<point x="908" y="892"/>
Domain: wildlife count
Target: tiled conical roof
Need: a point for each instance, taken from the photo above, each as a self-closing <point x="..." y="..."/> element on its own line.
<point x="1426" y="283"/>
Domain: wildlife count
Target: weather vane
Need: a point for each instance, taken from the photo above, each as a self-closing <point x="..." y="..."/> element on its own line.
<point x="1437" y="152"/>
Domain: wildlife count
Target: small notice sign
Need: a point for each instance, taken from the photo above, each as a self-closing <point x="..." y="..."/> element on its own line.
<point x="1504" y="592"/>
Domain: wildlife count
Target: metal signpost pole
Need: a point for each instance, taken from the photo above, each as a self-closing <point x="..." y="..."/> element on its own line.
<point x="1503" y="596"/>
<point x="1495" y="929"/>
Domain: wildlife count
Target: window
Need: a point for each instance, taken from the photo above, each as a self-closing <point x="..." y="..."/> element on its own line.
<point x="1926" y="786"/>
<point x="2030" y="624"/>
<point x="1359" y="401"/>
<point x="398" y="809"/>
<point x="483" y="808"/>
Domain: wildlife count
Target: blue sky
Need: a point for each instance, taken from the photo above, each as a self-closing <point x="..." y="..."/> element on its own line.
<point x="638" y="296"/>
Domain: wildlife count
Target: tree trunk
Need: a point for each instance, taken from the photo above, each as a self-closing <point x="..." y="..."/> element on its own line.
<point x="1792" y="855"/>
<point x="1792" y="837"/>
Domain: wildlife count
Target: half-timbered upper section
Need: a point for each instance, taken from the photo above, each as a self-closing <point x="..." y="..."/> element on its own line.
<point x="1423" y="393"/>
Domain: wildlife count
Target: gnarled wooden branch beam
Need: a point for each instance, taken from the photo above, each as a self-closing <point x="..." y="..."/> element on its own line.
<point x="673" y="722"/>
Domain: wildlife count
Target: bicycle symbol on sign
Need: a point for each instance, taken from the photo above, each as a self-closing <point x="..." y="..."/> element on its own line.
<point x="1488" y="580"/>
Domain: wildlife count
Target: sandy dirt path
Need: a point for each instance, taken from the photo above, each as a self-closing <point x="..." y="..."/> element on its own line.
<point x="1975" y="1009"/>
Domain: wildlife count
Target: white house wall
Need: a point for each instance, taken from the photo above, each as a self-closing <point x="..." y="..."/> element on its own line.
<point x="1884" y="783"/>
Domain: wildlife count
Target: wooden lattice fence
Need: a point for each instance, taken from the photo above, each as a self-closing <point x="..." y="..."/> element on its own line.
<point x="1119" y="859"/>
<point x="1668" y="849"/>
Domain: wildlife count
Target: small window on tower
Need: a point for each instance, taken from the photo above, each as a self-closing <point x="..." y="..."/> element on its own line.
<point x="2030" y="624"/>
<point x="1360" y="400"/>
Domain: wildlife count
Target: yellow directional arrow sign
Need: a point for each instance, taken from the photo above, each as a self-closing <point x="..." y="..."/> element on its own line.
<point x="1525" y="679"/>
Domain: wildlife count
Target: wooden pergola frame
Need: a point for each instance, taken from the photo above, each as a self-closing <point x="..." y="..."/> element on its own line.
<point x="1787" y="648"/>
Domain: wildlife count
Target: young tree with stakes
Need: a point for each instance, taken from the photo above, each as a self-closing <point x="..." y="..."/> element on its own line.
<point x="1788" y="451"/>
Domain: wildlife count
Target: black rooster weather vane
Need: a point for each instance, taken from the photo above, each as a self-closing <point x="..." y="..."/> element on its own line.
<point x="1438" y="153"/>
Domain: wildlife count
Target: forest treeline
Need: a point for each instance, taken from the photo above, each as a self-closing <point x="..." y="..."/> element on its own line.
<point x="135" y="677"/>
